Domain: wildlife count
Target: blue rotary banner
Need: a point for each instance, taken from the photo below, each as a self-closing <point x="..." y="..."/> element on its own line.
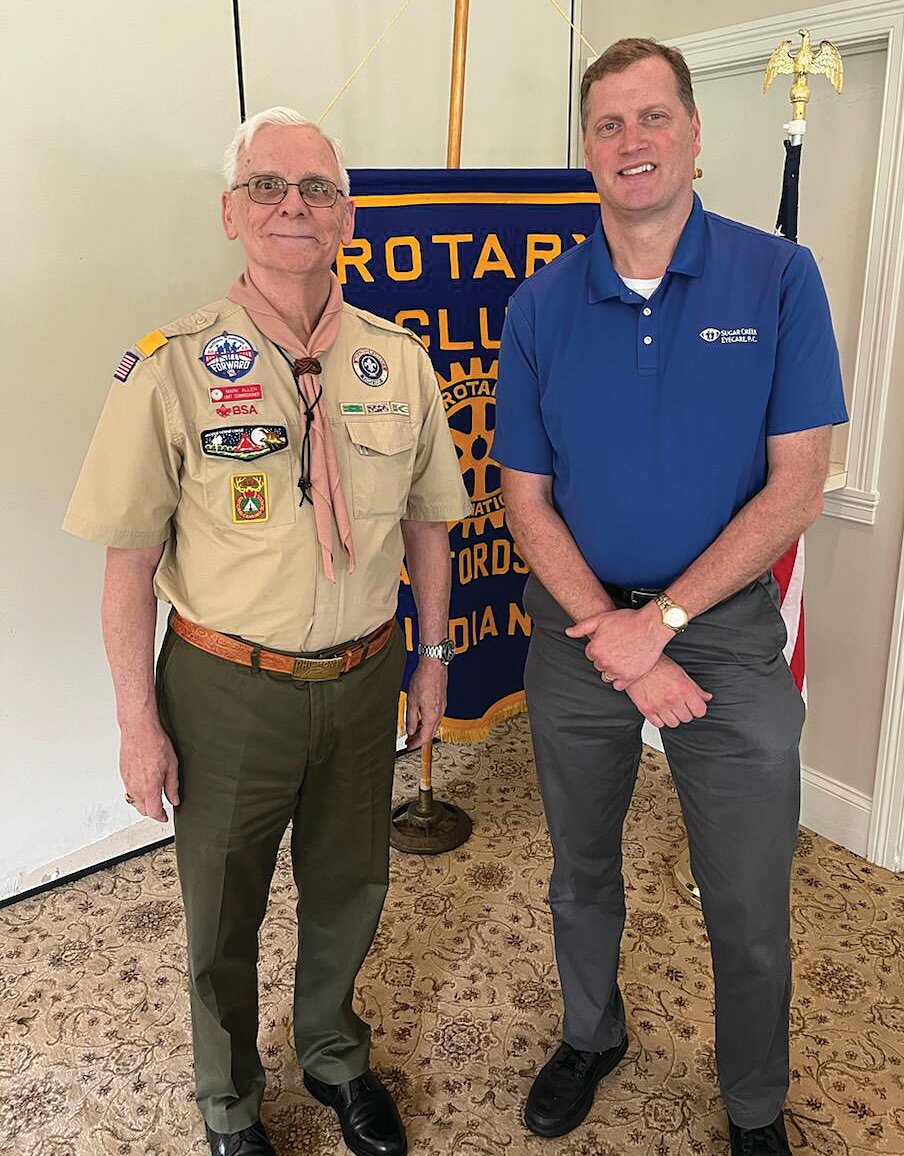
<point x="441" y="251"/>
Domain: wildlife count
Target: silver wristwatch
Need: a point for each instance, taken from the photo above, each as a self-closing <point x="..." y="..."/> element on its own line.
<point x="444" y="651"/>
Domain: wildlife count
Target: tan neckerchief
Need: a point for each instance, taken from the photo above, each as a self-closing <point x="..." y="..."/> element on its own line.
<point x="325" y="483"/>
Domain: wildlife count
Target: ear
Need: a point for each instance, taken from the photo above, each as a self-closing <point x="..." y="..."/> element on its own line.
<point x="695" y="126"/>
<point x="348" y="225"/>
<point x="226" y="212"/>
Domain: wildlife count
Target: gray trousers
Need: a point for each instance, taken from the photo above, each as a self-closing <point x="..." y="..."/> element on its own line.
<point x="258" y="752"/>
<point x="737" y="773"/>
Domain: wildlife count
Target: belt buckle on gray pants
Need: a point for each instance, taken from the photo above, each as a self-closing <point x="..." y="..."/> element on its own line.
<point x="317" y="669"/>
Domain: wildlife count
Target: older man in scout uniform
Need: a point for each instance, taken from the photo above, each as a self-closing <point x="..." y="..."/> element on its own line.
<point x="261" y="464"/>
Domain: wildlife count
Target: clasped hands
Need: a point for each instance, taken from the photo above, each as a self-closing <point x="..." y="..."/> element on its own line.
<point x="626" y="647"/>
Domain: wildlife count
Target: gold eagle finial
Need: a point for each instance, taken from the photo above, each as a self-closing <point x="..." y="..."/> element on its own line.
<point x="825" y="61"/>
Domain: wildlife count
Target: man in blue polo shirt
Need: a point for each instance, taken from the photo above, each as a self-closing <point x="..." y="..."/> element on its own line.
<point x="664" y="410"/>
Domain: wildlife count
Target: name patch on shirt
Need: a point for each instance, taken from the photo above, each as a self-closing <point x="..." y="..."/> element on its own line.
<point x="244" y="442"/>
<point x="228" y="355"/>
<point x="250" y="502"/>
<point x="231" y="393"/>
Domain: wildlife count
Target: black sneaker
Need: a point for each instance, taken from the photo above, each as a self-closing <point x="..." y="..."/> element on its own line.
<point x="769" y="1141"/>
<point x="251" y="1141"/>
<point x="563" y="1091"/>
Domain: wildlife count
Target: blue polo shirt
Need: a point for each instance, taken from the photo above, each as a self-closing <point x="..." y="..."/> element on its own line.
<point x="652" y="416"/>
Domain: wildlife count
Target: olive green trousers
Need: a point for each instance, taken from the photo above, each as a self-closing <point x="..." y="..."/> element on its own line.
<point x="258" y="751"/>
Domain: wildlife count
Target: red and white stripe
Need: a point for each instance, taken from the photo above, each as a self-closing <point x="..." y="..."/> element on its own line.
<point x="789" y="574"/>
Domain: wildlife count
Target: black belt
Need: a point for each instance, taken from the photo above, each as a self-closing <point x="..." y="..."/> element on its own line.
<point x="630" y="598"/>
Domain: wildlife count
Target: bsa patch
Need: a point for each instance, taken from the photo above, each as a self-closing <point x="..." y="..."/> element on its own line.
<point x="351" y="407"/>
<point x="125" y="367"/>
<point x="377" y="407"/>
<point x="250" y="502"/>
<point x="244" y="442"/>
<point x="228" y="355"/>
<point x="370" y="367"/>
<point x="400" y="407"/>
<point x="230" y="393"/>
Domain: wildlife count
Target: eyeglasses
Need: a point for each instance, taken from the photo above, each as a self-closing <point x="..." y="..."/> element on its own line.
<point x="316" y="192"/>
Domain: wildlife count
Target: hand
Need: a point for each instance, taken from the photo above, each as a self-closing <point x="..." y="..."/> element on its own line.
<point x="624" y="644"/>
<point x="667" y="696"/>
<point x="426" y="701"/>
<point x="148" y="766"/>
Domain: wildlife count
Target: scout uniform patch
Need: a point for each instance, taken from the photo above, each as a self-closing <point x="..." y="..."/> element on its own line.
<point x="125" y="367"/>
<point x="370" y="367"/>
<point x="250" y="502"/>
<point x="347" y="409"/>
<point x="244" y="442"/>
<point x="228" y="355"/>
<point x="230" y="393"/>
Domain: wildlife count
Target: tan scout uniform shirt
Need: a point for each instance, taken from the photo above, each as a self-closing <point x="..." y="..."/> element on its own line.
<point x="200" y="447"/>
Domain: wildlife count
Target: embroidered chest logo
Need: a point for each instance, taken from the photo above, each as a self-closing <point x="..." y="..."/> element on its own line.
<point x="250" y="502"/>
<point x="244" y="442"/>
<point x="744" y="336"/>
<point x="370" y="367"/>
<point x="228" y="355"/>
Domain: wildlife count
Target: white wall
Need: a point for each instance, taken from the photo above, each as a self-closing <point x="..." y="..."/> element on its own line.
<point x="116" y="115"/>
<point x="113" y="134"/>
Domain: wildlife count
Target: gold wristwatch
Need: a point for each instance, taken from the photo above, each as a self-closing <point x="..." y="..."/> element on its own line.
<point x="673" y="615"/>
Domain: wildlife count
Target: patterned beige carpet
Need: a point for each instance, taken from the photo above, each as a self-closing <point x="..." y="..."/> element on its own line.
<point x="461" y="990"/>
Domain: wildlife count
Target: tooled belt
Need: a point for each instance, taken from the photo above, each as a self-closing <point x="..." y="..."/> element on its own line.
<point x="298" y="666"/>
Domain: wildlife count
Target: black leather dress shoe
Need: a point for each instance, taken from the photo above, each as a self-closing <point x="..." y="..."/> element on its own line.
<point x="769" y="1141"/>
<point x="368" y="1117"/>
<point x="563" y="1091"/>
<point x="251" y="1141"/>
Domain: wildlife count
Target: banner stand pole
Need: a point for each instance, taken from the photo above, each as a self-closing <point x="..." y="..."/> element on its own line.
<point x="427" y="826"/>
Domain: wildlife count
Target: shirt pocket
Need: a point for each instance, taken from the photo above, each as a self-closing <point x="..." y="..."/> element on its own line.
<point x="250" y="496"/>
<point x="381" y="464"/>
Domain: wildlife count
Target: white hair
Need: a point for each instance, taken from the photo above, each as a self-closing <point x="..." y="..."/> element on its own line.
<point x="278" y="115"/>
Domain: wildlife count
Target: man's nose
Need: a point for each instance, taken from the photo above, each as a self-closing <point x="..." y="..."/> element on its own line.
<point x="633" y="137"/>
<point x="293" y="203"/>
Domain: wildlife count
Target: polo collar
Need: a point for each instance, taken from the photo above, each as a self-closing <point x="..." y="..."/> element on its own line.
<point x="689" y="257"/>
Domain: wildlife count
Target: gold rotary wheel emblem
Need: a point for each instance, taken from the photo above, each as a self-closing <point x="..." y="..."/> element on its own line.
<point x="469" y="397"/>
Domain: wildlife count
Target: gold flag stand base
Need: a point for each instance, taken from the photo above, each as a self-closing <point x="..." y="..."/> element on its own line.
<point x="684" y="876"/>
<point x="428" y="826"/>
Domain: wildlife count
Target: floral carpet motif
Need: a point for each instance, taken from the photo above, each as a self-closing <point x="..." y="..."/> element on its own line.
<point x="462" y="993"/>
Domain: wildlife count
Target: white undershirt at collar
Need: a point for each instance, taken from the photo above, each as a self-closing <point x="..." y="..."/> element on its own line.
<point x="644" y="286"/>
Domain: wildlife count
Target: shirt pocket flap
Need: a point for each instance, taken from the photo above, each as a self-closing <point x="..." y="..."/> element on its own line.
<point x="381" y="437"/>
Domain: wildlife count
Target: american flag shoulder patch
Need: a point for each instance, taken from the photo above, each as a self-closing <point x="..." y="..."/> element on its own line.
<point x="125" y="367"/>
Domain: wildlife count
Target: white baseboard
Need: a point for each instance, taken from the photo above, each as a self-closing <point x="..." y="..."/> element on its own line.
<point x="831" y="809"/>
<point x="133" y="838"/>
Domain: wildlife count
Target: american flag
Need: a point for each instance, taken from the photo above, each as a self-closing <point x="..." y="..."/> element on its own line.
<point x="789" y="569"/>
<point x="125" y="366"/>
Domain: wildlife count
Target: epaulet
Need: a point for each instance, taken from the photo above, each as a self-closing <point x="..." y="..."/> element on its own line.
<point x="382" y="323"/>
<point x="149" y="344"/>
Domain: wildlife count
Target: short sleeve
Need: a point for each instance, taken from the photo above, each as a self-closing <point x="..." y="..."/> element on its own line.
<point x="437" y="492"/>
<point x="129" y="486"/>
<point x="806" y="386"/>
<point x="520" y="441"/>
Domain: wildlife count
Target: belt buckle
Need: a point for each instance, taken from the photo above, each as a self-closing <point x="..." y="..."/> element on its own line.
<point x="317" y="669"/>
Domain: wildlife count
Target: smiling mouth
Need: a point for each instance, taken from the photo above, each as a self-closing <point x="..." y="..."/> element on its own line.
<point x="637" y="170"/>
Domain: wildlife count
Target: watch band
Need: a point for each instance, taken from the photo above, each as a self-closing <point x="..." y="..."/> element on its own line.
<point x="444" y="651"/>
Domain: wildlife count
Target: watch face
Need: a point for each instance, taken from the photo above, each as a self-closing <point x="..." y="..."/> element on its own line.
<point x="675" y="617"/>
<point x="448" y="650"/>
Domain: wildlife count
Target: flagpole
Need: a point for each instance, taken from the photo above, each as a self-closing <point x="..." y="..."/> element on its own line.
<point x="457" y="88"/>
<point x="427" y="826"/>
<point x="825" y="61"/>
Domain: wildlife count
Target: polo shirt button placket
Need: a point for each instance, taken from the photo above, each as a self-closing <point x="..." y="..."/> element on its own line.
<point x="647" y="352"/>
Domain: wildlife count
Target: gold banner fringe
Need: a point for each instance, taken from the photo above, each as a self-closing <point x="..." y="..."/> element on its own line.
<point x="464" y="731"/>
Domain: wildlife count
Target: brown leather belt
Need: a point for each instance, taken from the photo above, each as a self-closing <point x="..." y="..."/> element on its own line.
<point x="299" y="667"/>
